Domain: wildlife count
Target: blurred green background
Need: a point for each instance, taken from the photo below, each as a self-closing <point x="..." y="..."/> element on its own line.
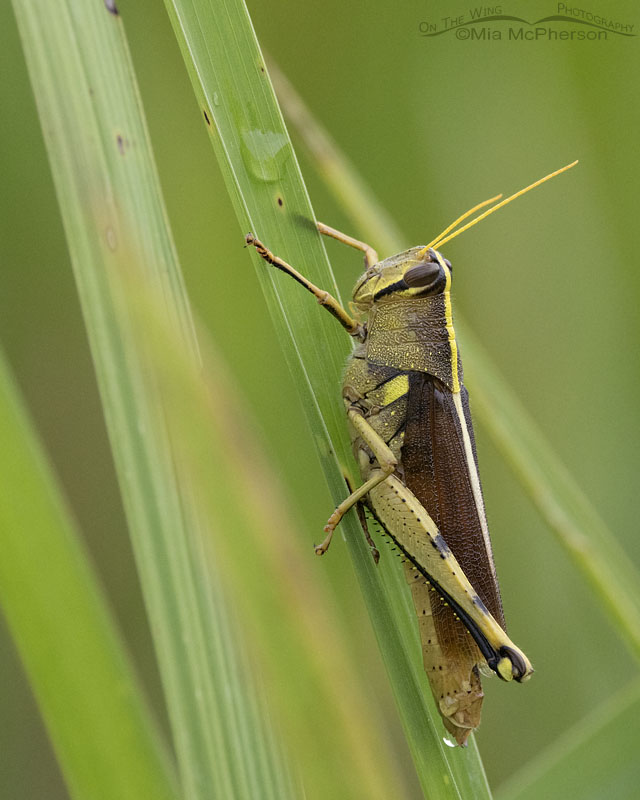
<point x="550" y="284"/>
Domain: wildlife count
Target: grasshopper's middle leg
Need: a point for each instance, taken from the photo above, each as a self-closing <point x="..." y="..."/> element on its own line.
<point x="375" y="553"/>
<point x="387" y="463"/>
<point x="352" y="326"/>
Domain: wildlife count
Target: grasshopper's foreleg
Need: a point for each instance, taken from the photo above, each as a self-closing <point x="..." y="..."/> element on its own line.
<point x="370" y="255"/>
<point x="352" y="326"/>
<point x="386" y="465"/>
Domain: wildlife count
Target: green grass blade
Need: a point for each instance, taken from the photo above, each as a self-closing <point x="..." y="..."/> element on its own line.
<point x="262" y="175"/>
<point x="116" y="226"/>
<point x="99" y="725"/>
<point x="596" y="758"/>
<point x="315" y="691"/>
<point x="559" y="500"/>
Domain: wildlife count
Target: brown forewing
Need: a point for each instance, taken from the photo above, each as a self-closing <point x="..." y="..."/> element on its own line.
<point x="435" y="470"/>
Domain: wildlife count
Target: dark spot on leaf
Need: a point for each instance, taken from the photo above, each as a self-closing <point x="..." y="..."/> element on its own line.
<point x="206" y="118"/>
<point x="111" y="7"/>
<point x="120" y="142"/>
<point x="280" y="202"/>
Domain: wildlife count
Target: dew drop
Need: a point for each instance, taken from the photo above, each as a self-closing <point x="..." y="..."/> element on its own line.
<point x="265" y="153"/>
<point x="448" y="742"/>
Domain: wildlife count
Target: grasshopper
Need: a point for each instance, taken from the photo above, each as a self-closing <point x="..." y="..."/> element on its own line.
<point x="410" y="423"/>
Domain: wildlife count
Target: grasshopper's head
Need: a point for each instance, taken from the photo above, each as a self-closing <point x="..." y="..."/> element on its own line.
<point x="417" y="272"/>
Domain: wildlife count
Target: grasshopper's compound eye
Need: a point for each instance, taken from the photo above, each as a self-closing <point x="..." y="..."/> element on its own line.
<point x="423" y="274"/>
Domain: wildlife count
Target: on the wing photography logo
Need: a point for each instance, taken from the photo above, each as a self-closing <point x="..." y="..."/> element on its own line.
<point x="568" y="24"/>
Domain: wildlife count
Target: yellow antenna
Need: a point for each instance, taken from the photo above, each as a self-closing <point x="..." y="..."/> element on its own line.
<point x="444" y="238"/>
<point x="459" y="220"/>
